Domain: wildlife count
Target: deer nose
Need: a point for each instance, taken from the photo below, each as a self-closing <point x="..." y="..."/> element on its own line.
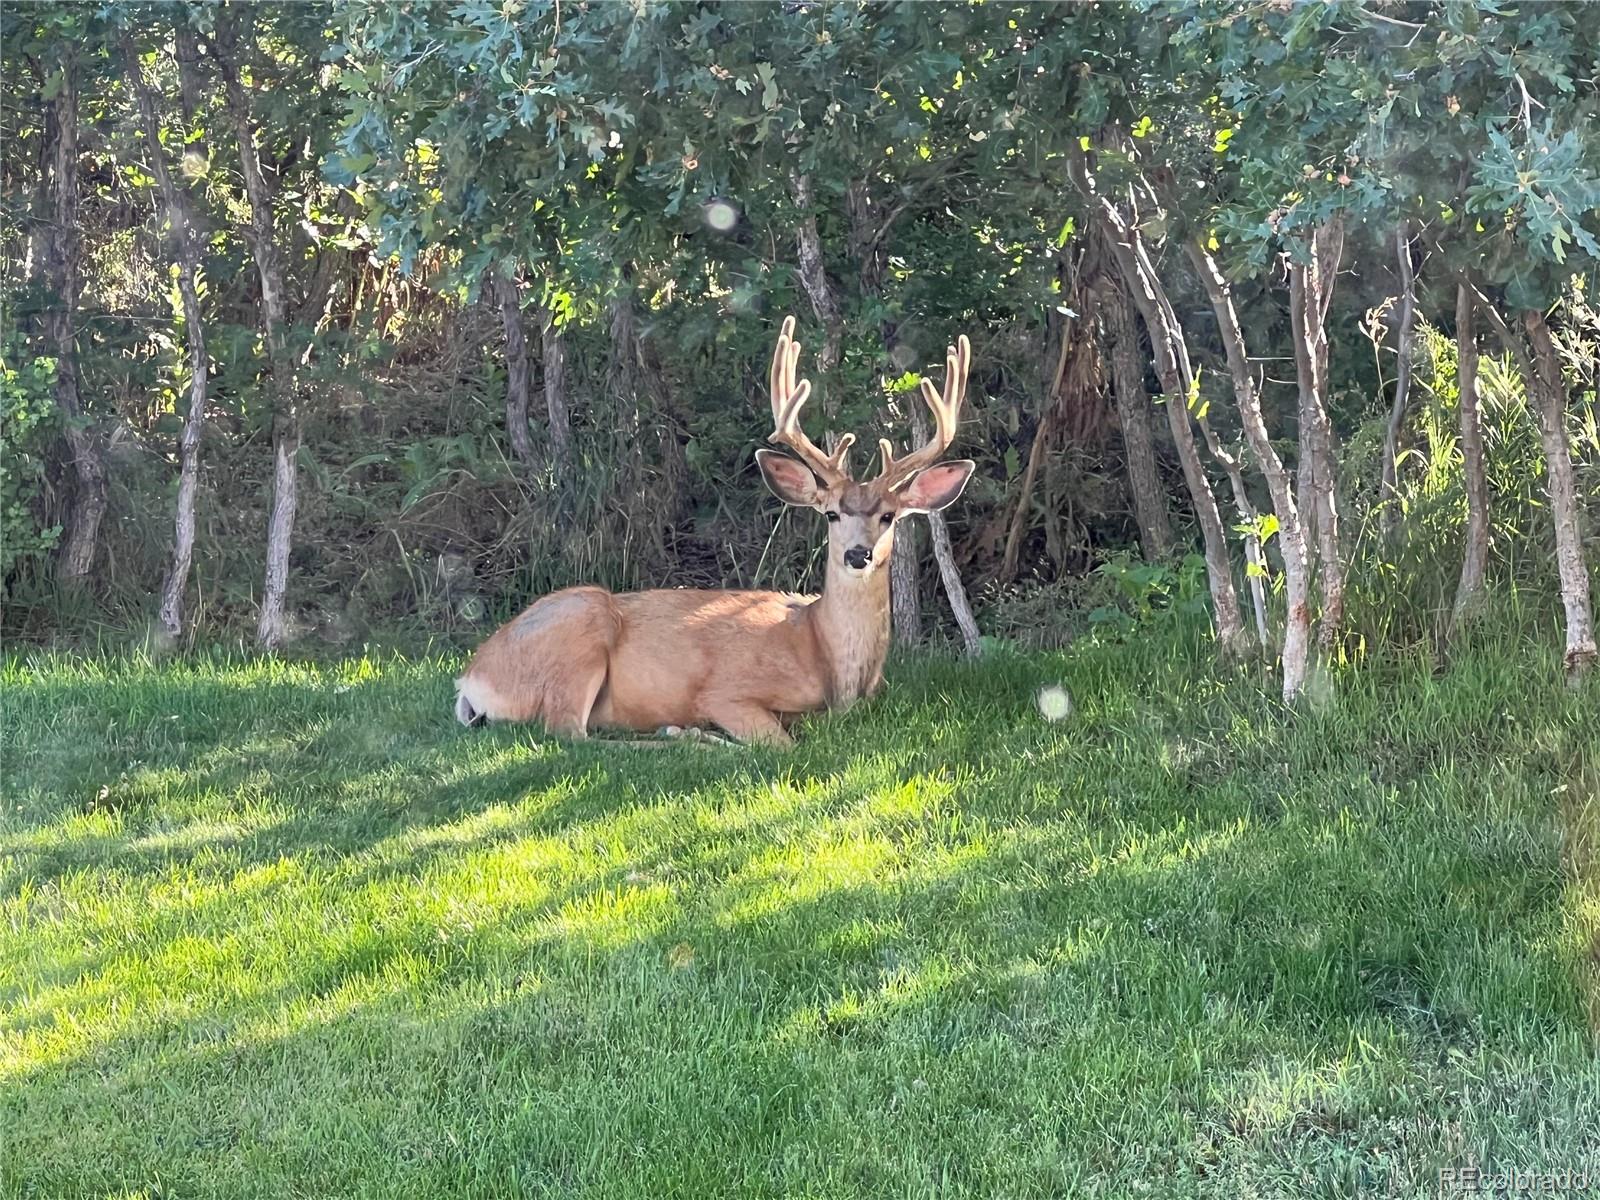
<point x="857" y="557"/>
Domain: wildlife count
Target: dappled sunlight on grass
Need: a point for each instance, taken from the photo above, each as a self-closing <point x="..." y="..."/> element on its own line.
<point x="935" y="928"/>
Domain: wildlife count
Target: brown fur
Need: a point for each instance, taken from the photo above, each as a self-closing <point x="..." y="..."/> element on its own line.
<point x="747" y="661"/>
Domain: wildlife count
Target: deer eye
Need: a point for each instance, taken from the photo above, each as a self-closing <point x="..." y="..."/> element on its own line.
<point x="832" y="516"/>
<point x="886" y="519"/>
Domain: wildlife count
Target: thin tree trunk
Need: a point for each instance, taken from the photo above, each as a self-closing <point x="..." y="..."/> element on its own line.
<point x="944" y="554"/>
<point x="818" y="287"/>
<point x="905" y="590"/>
<point x="1549" y="395"/>
<point x="1291" y="533"/>
<point x="1475" y="559"/>
<point x="622" y="380"/>
<point x="191" y="93"/>
<point x="1389" y="493"/>
<point x="647" y="497"/>
<point x="905" y="568"/>
<point x="1037" y="449"/>
<point x="63" y="246"/>
<point x="1310" y="292"/>
<point x="1255" y="566"/>
<point x="1541" y="374"/>
<point x="519" y="370"/>
<point x="188" y="256"/>
<point x="1133" y="414"/>
<point x="272" y="624"/>
<point x="869" y="250"/>
<point x="1125" y="241"/>
<point x="553" y="354"/>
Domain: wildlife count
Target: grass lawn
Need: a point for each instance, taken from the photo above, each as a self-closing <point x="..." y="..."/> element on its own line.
<point x="287" y="930"/>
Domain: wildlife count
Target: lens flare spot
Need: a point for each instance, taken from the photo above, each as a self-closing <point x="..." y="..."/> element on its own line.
<point x="1054" y="703"/>
<point x="721" y="215"/>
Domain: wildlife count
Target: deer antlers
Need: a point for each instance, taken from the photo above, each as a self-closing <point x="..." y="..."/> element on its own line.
<point x="946" y="413"/>
<point x="789" y="397"/>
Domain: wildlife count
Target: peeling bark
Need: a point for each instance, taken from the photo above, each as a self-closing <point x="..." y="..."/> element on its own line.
<point x="1548" y="393"/>
<point x="187" y="254"/>
<point x="1310" y="293"/>
<point x="1475" y="558"/>
<point x="1296" y="647"/>
<point x="62" y="263"/>
<point x="272" y="624"/>
<point x="1125" y="243"/>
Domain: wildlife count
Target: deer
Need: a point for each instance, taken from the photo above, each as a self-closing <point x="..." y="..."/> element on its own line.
<point x="748" y="662"/>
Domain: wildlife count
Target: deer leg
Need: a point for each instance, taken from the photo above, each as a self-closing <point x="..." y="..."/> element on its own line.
<point x="567" y="710"/>
<point x="751" y="723"/>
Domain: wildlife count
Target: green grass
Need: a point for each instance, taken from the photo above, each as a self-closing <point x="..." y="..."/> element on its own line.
<point x="286" y="930"/>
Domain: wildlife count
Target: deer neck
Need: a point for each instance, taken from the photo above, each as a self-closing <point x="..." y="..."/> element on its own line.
<point x="851" y="620"/>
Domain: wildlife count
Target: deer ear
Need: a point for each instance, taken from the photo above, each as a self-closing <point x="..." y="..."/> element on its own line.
<point x="936" y="487"/>
<point x="791" y="481"/>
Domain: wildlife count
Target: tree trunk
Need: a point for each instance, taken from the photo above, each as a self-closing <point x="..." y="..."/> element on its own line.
<point x="868" y="247"/>
<point x="1037" y="449"/>
<point x="818" y="288"/>
<point x="553" y="354"/>
<point x="272" y="624"/>
<point x="905" y="591"/>
<point x="191" y="91"/>
<point x="1043" y="433"/>
<point x="1548" y="392"/>
<point x="519" y="370"/>
<point x="1310" y="292"/>
<point x="622" y="381"/>
<point x="1133" y="414"/>
<point x="1291" y="533"/>
<point x="1255" y="566"/>
<point x="1126" y="245"/>
<point x="944" y="555"/>
<point x="1388" y="491"/>
<point x="63" y="247"/>
<point x="188" y="256"/>
<point x="1475" y="560"/>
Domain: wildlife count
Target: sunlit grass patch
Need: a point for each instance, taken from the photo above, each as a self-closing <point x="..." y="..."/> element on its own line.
<point x="271" y="929"/>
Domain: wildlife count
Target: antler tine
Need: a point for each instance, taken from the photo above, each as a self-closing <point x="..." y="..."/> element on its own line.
<point x="788" y="398"/>
<point x="946" y="408"/>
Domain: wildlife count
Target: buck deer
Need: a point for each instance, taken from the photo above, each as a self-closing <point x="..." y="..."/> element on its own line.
<point x="746" y="661"/>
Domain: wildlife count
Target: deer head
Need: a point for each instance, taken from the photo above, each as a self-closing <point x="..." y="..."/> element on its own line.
<point x="862" y="516"/>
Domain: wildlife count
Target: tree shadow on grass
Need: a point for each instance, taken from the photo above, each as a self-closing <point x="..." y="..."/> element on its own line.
<point x="938" y="1006"/>
<point x="725" y="973"/>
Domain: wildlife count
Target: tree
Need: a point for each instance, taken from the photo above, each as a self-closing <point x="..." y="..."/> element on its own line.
<point x="62" y="269"/>
<point x="187" y="254"/>
<point x="228" y="45"/>
<point x="1126" y="243"/>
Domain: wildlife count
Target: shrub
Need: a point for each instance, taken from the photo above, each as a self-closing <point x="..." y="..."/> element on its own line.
<point x="29" y="421"/>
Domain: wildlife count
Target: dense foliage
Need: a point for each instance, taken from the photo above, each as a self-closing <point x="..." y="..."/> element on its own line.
<point x="421" y="309"/>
